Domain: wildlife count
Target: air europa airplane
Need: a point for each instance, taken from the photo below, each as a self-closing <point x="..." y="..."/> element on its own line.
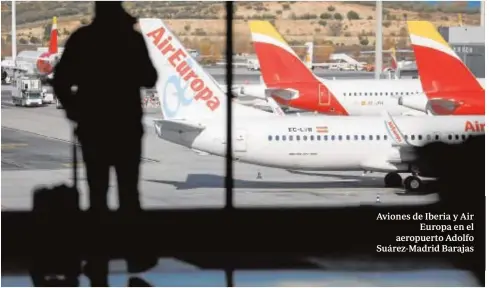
<point x="451" y="88"/>
<point x="301" y="89"/>
<point x="300" y="143"/>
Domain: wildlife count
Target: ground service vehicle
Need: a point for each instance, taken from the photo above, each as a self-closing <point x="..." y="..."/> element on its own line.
<point x="28" y="92"/>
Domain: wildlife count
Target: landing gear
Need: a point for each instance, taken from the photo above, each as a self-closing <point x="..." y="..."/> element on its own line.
<point x="413" y="184"/>
<point x="393" y="179"/>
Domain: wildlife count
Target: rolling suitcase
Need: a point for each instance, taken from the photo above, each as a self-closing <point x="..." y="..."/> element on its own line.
<point x="55" y="254"/>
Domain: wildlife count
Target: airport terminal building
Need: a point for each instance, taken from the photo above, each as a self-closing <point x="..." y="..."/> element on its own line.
<point x="468" y="43"/>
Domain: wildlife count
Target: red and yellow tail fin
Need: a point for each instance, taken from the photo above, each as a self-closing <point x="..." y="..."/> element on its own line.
<point x="440" y="69"/>
<point x="393" y="58"/>
<point x="53" y="39"/>
<point x="278" y="62"/>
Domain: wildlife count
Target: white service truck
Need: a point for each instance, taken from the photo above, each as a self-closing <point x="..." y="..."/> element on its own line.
<point x="28" y="92"/>
<point x="253" y="65"/>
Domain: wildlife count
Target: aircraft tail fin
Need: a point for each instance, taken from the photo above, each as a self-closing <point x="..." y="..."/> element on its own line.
<point x="309" y="54"/>
<point x="53" y="39"/>
<point x="393" y="58"/>
<point x="186" y="90"/>
<point x="285" y="66"/>
<point x="441" y="71"/>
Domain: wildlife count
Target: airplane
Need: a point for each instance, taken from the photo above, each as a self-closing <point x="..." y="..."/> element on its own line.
<point x="44" y="61"/>
<point x="394" y="63"/>
<point x="195" y="112"/>
<point x="450" y="87"/>
<point x="306" y="91"/>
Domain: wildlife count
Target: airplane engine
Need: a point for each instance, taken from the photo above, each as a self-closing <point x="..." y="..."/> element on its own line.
<point x="416" y="102"/>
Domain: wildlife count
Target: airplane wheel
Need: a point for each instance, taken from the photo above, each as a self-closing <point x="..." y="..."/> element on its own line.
<point x="413" y="184"/>
<point x="392" y="179"/>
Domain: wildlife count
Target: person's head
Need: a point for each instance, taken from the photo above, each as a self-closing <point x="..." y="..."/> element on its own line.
<point x="112" y="12"/>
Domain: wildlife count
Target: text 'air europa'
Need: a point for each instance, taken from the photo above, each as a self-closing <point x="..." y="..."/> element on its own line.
<point x="178" y="59"/>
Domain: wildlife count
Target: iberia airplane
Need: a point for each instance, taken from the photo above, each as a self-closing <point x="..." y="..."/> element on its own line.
<point x="291" y="83"/>
<point x="194" y="116"/>
<point x="44" y="61"/>
<point x="450" y="87"/>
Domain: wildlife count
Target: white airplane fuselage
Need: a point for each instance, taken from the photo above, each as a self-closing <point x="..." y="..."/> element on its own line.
<point x="361" y="97"/>
<point x="346" y="145"/>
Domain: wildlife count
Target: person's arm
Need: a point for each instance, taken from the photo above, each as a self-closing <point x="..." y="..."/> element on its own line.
<point x="65" y="76"/>
<point x="147" y="73"/>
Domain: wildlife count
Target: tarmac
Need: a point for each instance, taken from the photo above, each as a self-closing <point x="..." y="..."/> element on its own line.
<point x="36" y="151"/>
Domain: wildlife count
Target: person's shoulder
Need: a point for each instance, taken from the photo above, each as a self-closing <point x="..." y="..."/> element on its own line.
<point x="78" y="34"/>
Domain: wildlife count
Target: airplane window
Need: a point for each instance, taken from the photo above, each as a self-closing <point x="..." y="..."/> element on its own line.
<point x="406" y="137"/>
<point x="463" y="136"/>
<point x="420" y="137"/>
<point x="270" y="137"/>
<point x="363" y="137"/>
<point x="339" y="137"/>
<point x="437" y="137"/>
<point x="413" y="137"/>
<point x="375" y="93"/>
<point x="344" y="94"/>
<point x="370" y="137"/>
<point x="402" y="93"/>
<point x="347" y="137"/>
<point x="378" y="137"/>
<point x="319" y="137"/>
<point x="380" y="93"/>
<point x="456" y="136"/>
<point x="428" y="137"/>
<point x="305" y="138"/>
<point x="355" y="94"/>
<point x="298" y="138"/>
<point x="312" y="137"/>
<point x="385" y="137"/>
<point x="450" y="137"/>
<point x="349" y="94"/>
<point x="291" y="138"/>
<point x="277" y="137"/>
<point x="370" y="93"/>
<point x="355" y="137"/>
<point x="325" y="137"/>
<point x="284" y="138"/>
<point x="332" y="137"/>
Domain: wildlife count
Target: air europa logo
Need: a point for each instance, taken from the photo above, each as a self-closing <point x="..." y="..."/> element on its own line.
<point x="474" y="126"/>
<point x="177" y="58"/>
<point x="394" y="131"/>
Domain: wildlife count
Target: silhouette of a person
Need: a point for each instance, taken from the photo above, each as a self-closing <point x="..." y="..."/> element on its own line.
<point x="98" y="80"/>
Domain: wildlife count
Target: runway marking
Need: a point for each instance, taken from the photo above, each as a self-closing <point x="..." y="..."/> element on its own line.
<point x="144" y="159"/>
<point x="13" y="145"/>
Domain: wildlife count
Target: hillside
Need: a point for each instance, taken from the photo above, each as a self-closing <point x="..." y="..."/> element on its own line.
<point x="340" y="25"/>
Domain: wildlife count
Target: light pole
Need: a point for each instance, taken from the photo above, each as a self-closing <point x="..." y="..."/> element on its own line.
<point x="378" y="40"/>
<point x="14" y="34"/>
